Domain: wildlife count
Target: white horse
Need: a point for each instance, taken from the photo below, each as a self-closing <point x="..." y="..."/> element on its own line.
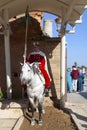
<point x="35" y="88"/>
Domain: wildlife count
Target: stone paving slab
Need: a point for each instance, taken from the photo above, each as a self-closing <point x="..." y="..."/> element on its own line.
<point x="7" y="124"/>
<point x="80" y="98"/>
<point x="10" y="113"/>
<point x="77" y="106"/>
<point x="18" y="124"/>
<point x="79" y="115"/>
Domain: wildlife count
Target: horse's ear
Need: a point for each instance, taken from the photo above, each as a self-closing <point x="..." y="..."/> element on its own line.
<point x="31" y="64"/>
<point x="21" y="64"/>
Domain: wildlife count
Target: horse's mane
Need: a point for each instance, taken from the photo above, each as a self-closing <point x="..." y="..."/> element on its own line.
<point x="34" y="70"/>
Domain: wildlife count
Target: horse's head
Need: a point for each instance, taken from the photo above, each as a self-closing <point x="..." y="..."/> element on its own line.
<point x="26" y="73"/>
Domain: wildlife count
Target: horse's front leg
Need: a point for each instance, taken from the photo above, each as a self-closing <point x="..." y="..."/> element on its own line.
<point x="40" y="108"/>
<point x="32" y="109"/>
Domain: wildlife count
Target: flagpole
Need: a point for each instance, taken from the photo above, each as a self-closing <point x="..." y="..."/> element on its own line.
<point x="25" y="47"/>
<point x="27" y="20"/>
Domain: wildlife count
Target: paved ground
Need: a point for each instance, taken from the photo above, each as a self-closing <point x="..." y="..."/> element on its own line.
<point x="11" y="119"/>
<point x="77" y="106"/>
<point x="9" y="115"/>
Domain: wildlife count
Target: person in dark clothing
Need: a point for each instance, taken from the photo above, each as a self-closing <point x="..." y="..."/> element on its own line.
<point x="74" y="74"/>
<point x="80" y="81"/>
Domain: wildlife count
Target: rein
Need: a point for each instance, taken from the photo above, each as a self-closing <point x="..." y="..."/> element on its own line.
<point x="38" y="73"/>
<point x="40" y="77"/>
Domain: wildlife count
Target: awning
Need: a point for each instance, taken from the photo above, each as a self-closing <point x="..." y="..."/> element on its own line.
<point x="69" y="10"/>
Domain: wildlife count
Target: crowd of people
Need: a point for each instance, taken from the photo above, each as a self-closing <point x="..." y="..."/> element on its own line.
<point x="75" y="79"/>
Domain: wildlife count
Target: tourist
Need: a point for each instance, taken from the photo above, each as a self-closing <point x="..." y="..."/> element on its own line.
<point x="80" y="81"/>
<point x="74" y="74"/>
<point x="69" y="80"/>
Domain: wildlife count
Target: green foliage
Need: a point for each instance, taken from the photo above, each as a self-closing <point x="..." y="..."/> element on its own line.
<point x="1" y="94"/>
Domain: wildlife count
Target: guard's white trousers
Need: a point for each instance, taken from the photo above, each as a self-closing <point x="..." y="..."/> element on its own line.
<point x="74" y="84"/>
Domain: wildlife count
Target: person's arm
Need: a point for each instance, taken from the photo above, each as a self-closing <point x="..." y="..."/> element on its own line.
<point x="42" y="62"/>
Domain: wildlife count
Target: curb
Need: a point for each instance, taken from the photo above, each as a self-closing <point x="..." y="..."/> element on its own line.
<point x="76" y="122"/>
<point x="18" y="124"/>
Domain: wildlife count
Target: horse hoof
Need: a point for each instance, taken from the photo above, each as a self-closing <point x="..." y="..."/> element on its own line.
<point x="40" y="122"/>
<point x="32" y="122"/>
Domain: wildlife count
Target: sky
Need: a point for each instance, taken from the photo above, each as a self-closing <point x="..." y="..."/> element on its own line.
<point x="76" y="43"/>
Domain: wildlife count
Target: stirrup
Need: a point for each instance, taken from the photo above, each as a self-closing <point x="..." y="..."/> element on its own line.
<point x="46" y="93"/>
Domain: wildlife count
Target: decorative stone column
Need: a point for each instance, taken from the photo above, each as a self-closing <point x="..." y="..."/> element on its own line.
<point x="7" y="54"/>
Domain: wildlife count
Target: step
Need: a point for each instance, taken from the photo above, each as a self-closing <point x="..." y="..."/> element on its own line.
<point x="10" y="113"/>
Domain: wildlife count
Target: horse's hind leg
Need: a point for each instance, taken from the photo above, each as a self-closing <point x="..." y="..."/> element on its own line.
<point x="32" y="109"/>
<point x="40" y="108"/>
